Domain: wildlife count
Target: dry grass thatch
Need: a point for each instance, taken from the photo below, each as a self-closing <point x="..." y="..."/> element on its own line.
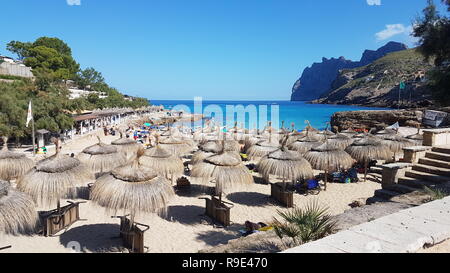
<point x="102" y="158"/>
<point x="329" y="158"/>
<point x="226" y="170"/>
<point x="262" y="149"/>
<point x="54" y="178"/>
<point x="396" y="143"/>
<point x="163" y="162"/>
<point x="133" y="188"/>
<point x="340" y="141"/>
<point x="369" y="148"/>
<point x="13" y="165"/>
<point x="285" y="164"/>
<point x="127" y="146"/>
<point x="305" y="144"/>
<point x="175" y="146"/>
<point x="17" y="211"/>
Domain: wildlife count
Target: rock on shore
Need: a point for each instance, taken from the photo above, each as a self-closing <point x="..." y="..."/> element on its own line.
<point x="374" y="119"/>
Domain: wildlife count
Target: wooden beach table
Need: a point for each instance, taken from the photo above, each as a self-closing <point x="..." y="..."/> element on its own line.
<point x="56" y="220"/>
<point x="286" y="198"/>
<point x="218" y="210"/>
<point x="132" y="235"/>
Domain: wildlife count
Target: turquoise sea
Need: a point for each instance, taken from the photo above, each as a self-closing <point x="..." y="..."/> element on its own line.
<point x="290" y="112"/>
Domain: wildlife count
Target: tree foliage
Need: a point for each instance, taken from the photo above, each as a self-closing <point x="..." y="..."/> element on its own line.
<point x="433" y="30"/>
<point x="52" y="63"/>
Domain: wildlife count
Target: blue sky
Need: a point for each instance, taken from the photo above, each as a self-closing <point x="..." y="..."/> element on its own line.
<point x="217" y="49"/>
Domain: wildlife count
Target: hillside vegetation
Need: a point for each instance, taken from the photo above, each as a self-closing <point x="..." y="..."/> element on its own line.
<point x="378" y="82"/>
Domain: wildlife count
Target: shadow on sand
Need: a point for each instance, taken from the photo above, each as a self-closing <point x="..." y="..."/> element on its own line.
<point x="251" y="199"/>
<point x="188" y="215"/>
<point x="95" y="238"/>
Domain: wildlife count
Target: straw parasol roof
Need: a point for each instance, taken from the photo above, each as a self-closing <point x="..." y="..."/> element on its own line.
<point x="329" y="158"/>
<point x="17" y="211"/>
<point x="386" y="133"/>
<point x="369" y="148"/>
<point x="340" y="141"/>
<point x="102" y="158"/>
<point x="175" y="146"/>
<point x="286" y="164"/>
<point x="225" y="170"/>
<point x="13" y="165"/>
<point x="262" y="148"/>
<point x="305" y="144"/>
<point x="325" y="134"/>
<point x="206" y="150"/>
<point x="55" y="178"/>
<point x="133" y="188"/>
<point x="396" y="143"/>
<point x="127" y="146"/>
<point x="163" y="162"/>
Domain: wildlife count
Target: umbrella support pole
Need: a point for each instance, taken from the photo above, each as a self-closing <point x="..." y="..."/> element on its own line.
<point x="5" y="247"/>
<point x="326" y="180"/>
<point x="218" y="210"/>
<point x="366" y="163"/>
<point x="61" y="218"/>
<point x="132" y="234"/>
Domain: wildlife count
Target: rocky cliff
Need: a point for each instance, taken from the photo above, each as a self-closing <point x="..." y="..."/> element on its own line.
<point x="317" y="79"/>
<point x="377" y="84"/>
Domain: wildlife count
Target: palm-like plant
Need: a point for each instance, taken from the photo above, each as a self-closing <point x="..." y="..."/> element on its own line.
<point x="305" y="225"/>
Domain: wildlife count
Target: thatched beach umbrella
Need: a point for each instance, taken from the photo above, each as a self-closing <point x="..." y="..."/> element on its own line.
<point x="206" y="150"/>
<point x="127" y="146"/>
<point x="175" y="146"/>
<point x="55" y="178"/>
<point x="13" y="165"/>
<point x="386" y="133"/>
<point x="340" y="141"/>
<point x="349" y="132"/>
<point x="263" y="148"/>
<point x="132" y="189"/>
<point x="286" y="164"/>
<point x="326" y="134"/>
<point x="305" y="144"/>
<point x="18" y="213"/>
<point x="102" y="158"/>
<point x="227" y="171"/>
<point x="367" y="149"/>
<point x="329" y="158"/>
<point x="162" y="162"/>
<point x="396" y="143"/>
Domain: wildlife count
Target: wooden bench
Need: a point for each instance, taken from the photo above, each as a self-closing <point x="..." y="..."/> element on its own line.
<point x="286" y="198"/>
<point x="132" y="235"/>
<point x="56" y="220"/>
<point x="218" y="211"/>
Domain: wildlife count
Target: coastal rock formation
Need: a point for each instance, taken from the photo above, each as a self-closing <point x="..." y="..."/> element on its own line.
<point x="377" y="84"/>
<point x="317" y="79"/>
<point x="374" y="119"/>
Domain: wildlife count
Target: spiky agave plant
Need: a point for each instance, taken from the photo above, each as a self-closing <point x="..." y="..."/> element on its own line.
<point x="305" y="225"/>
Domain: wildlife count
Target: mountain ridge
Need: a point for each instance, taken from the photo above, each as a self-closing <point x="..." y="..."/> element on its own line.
<point x="316" y="80"/>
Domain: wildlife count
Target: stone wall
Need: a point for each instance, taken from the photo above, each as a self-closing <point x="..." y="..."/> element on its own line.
<point x="15" y="70"/>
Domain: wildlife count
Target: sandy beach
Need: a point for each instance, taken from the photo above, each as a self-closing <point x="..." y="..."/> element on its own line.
<point x="184" y="228"/>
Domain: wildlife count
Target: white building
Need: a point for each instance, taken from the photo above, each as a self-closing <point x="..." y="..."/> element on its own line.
<point x="78" y="93"/>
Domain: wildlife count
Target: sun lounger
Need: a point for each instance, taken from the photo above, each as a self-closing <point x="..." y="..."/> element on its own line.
<point x="56" y="220"/>
<point x="285" y="197"/>
<point x="218" y="210"/>
<point x="132" y="234"/>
